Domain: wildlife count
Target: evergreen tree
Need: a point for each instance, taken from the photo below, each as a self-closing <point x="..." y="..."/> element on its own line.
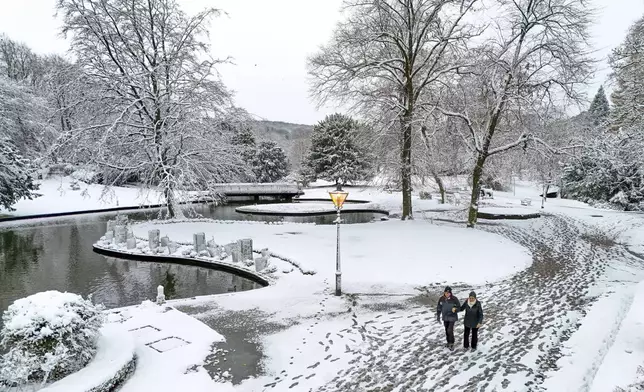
<point x="244" y="143"/>
<point x="599" y="108"/>
<point x="335" y="154"/>
<point x="270" y="163"/>
<point x="16" y="181"/>
<point x="244" y="137"/>
<point x="627" y="61"/>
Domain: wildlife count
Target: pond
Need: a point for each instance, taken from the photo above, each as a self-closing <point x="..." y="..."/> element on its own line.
<point x="56" y="254"/>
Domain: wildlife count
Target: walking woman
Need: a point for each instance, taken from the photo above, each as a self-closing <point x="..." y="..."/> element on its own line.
<point x="447" y="307"/>
<point x="472" y="320"/>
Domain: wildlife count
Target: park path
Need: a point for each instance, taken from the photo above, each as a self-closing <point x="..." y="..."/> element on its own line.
<point x="528" y="318"/>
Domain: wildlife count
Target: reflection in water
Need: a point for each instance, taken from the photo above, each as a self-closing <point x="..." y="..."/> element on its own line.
<point x="58" y="255"/>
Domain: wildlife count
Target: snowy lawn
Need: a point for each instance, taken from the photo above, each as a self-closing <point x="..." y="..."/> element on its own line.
<point x="390" y="201"/>
<point x="380" y="257"/>
<point x="171" y="348"/>
<point x="58" y="197"/>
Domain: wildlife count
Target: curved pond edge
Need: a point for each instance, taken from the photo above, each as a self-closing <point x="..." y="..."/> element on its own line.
<point x="190" y="261"/>
<point x="93" y="211"/>
<point x="352" y="201"/>
<point x="316" y="213"/>
<point x="489" y="216"/>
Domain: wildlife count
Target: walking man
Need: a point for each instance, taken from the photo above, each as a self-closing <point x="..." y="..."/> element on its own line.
<point x="472" y="320"/>
<point x="448" y="307"/>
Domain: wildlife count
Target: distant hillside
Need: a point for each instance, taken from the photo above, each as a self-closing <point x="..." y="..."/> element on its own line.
<point x="293" y="138"/>
<point x="277" y="130"/>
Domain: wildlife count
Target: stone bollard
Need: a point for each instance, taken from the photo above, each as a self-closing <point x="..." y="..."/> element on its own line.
<point x="199" y="242"/>
<point x="153" y="239"/>
<point x="120" y="234"/>
<point x="246" y="248"/>
<point x="160" y="295"/>
<point x="214" y="251"/>
<point x="110" y="227"/>
<point x="261" y="263"/>
<point x="131" y="243"/>
<point x="235" y="252"/>
<point x="165" y="241"/>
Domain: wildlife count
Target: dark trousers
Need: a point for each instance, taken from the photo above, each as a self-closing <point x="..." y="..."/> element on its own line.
<point x="466" y="337"/>
<point x="449" y="331"/>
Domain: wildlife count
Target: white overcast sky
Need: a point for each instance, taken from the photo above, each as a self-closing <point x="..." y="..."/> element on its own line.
<point x="270" y="41"/>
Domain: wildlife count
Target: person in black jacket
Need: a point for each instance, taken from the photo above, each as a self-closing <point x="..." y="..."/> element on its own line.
<point x="472" y="320"/>
<point x="447" y="307"/>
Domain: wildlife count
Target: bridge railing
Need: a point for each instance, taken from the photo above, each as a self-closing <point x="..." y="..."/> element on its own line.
<point x="258" y="188"/>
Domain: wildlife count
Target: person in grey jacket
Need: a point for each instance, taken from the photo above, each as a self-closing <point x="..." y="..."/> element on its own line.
<point x="473" y="319"/>
<point x="447" y="308"/>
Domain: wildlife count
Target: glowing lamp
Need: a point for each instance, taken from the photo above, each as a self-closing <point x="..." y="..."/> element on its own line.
<point x="338" y="198"/>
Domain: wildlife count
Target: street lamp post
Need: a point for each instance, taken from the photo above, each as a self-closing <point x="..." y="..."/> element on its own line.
<point x="338" y="197"/>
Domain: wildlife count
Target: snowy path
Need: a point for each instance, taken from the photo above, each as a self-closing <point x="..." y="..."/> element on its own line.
<point x="393" y="343"/>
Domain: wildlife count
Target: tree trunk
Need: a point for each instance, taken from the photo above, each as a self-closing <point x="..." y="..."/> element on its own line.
<point x="405" y="171"/>
<point x="170" y="202"/>
<point x="441" y="186"/>
<point x="476" y="191"/>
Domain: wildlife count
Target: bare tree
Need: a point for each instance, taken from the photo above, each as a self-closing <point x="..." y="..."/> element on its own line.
<point x="534" y="59"/>
<point x="162" y="101"/>
<point x="384" y="57"/>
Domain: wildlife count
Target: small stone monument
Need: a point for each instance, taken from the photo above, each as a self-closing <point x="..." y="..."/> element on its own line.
<point x="131" y="243"/>
<point x="214" y="251"/>
<point x="261" y="263"/>
<point x="153" y="238"/>
<point x="165" y="241"/>
<point x="120" y="234"/>
<point x="110" y="227"/>
<point x="246" y="247"/>
<point x="160" y="295"/>
<point x="211" y="243"/>
<point x="130" y="234"/>
<point x="109" y="236"/>
<point x="266" y="253"/>
<point x="172" y="247"/>
<point x="199" y="242"/>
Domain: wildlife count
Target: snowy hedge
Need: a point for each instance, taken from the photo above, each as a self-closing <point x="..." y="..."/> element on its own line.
<point x="48" y="336"/>
<point x="112" y="365"/>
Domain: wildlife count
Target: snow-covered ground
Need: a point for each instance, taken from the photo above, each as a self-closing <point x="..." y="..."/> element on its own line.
<point x="562" y="298"/>
<point x="381" y="257"/>
<point x="58" y="196"/>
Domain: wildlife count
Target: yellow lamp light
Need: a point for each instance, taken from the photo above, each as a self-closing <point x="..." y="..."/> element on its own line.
<point x="338" y="198"/>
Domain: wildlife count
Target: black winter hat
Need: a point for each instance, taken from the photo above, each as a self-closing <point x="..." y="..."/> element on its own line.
<point x="472" y="294"/>
<point x="448" y="289"/>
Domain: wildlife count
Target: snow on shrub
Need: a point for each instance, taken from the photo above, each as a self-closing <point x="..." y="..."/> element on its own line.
<point x="48" y="336"/>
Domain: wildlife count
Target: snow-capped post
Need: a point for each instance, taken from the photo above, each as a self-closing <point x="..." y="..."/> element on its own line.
<point x="160" y="295"/>
<point x="154" y="238"/>
<point x="246" y="249"/>
<point x="199" y="242"/>
<point x="338" y="197"/>
<point x="120" y="234"/>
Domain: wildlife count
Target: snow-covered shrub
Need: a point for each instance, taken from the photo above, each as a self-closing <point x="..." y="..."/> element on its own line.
<point x="610" y="170"/>
<point x="48" y="336"/>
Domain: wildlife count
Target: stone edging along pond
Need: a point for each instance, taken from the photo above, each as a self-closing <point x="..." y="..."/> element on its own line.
<point x="191" y="261"/>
